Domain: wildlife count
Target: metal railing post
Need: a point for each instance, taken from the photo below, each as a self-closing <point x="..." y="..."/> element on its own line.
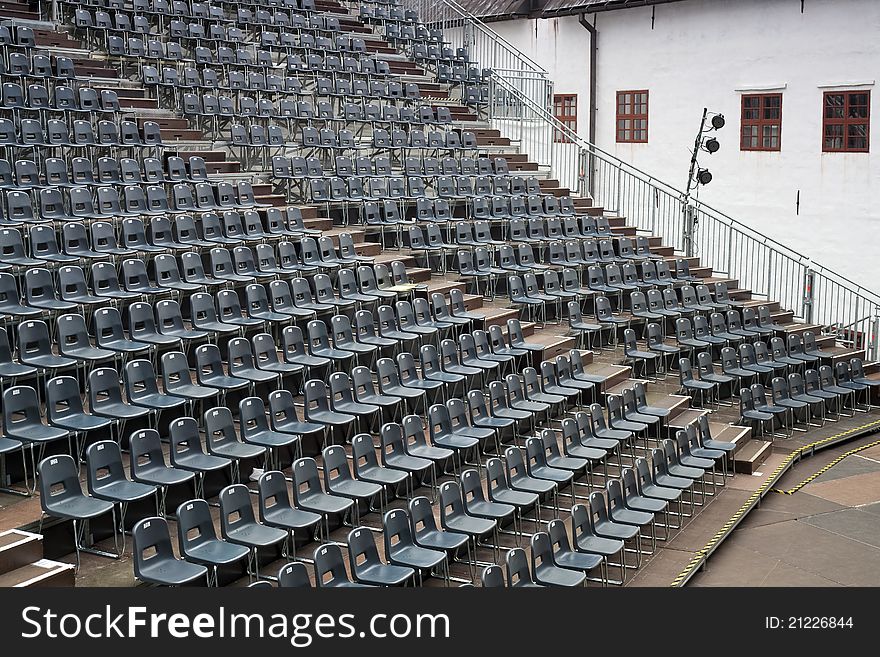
<point x="809" y="281"/>
<point x="687" y="232"/>
<point x="874" y="343"/>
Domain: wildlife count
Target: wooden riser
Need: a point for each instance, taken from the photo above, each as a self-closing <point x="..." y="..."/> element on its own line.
<point x="43" y="573"/>
<point x="749" y="459"/>
<point x="19" y="548"/>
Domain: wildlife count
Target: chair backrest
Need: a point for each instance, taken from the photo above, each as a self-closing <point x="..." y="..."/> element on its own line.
<point x="518" y="572"/>
<point x="329" y="566"/>
<point x="236" y="509"/>
<point x="145" y="451"/>
<point x="294" y="575"/>
<point x="152" y="541"/>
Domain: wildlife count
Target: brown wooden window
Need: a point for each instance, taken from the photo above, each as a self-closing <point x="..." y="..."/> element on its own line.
<point x="565" y="109"/>
<point x="846" y="120"/>
<point x="761" y="122"/>
<point x="632" y="117"/>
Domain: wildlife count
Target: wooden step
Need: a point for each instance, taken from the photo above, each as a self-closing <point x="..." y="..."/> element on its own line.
<point x="208" y="156"/>
<point x="180" y="134"/>
<point x="24" y="15"/>
<point x="493" y="141"/>
<point x="749" y="459"/>
<point x="497" y="316"/>
<point x="677" y="404"/>
<point x="19" y="548"/>
<point x="731" y="433"/>
<point x="39" y="574"/>
<point x="138" y="103"/>
<point x="628" y="384"/>
<point x="471" y="301"/>
<point x="684" y="418"/>
<point x="613" y="374"/>
<point x="318" y="223"/>
<point x="554" y="345"/>
<point x="170" y="123"/>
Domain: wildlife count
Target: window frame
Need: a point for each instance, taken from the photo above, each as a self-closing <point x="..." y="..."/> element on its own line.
<point x="761" y="122"/>
<point x="568" y="120"/>
<point x="846" y="121"/>
<point x="618" y="131"/>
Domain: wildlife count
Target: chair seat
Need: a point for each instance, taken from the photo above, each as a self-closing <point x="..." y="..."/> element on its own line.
<point x="47" y="361"/>
<point x="416" y="557"/>
<point x="13" y="370"/>
<point x="184" y="334"/>
<point x="382" y="476"/>
<point x="429" y="452"/>
<point x="470" y="525"/>
<point x="171" y="572"/>
<point x="567" y="463"/>
<point x="661" y="492"/>
<point x="577" y="560"/>
<point x="441" y="540"/>
<point x="407" y="462"/>
<point x="77" y="507"/>
<point x="530" y="406"/>
<point x="631" y="517"/>
<point x="383" y="574"/>
<point x="119" y="410"/>
<point x="511" y="414"/>
<point x="123" y="491"/>
<point x="607" y="529"/>
<point x="37" y="433"/>
<point x="237" y="451"/>
<point x="697" y="384"/>
<point x="309" y="361"/>
<point x="196" y="462"/>
<point x="158" y="400"/>
<point x="687" y="472"/>
<point x="631" y="427"/>
<point x="158" y="338"/>
<point x="290" y="518"/>
<point x="126" y="346"/>
<point x="161" y="476"/>
<point x="354" y="408"/>
<point x="323" y="504"/>
<point x="223" y="381"/>
<point x="254" y="374"/>
<point x="270" y="439"/>
<point x="598" y="544"/>
<point x="216" y="552"/>
<point x="642" y="419"/>
<point x="329" y="417"/>
<point x="645" y="504"/>
<point x="517" y="498"/>
<point x="55" y="305"/>
<point x="561" y="477"/>
<point x="355" y="488"/>
<point x="9" y="445"/>
<point x="550" y="575"/>
<point x="492" y="510"/>
<point x="193" y="391"/>
<point x="256" y="535"/>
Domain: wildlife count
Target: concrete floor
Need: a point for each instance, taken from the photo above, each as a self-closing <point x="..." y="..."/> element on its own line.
<point x="825" y="534"/>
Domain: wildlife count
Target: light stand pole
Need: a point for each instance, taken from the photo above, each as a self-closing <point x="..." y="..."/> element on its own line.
<point x="688" y="215"/>
<point x="697" y="177"/>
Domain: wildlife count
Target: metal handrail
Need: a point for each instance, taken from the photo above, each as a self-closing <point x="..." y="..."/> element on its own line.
<point x="521" y="109"/>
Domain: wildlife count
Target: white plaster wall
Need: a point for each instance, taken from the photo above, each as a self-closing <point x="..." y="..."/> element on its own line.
<point x="560" y="46"/>
<point x="698" y="53"/>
